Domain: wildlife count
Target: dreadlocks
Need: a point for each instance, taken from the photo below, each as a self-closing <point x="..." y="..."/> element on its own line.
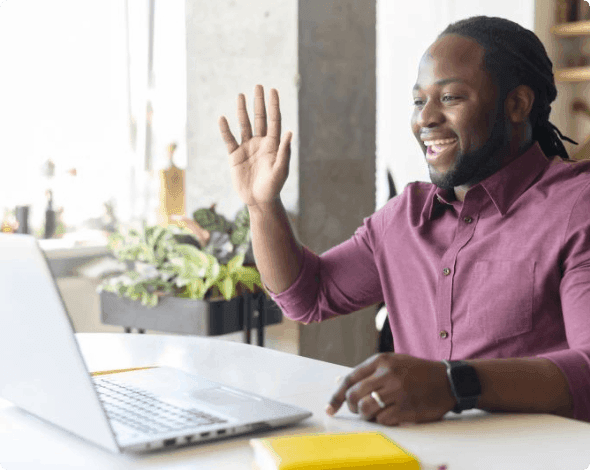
<point x="515" y="56"/>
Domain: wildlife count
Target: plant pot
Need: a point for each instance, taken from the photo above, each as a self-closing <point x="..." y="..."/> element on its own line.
<point x="188" y="316"/>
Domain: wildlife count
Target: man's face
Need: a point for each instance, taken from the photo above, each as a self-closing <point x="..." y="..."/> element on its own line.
<point x="457" y="120"/>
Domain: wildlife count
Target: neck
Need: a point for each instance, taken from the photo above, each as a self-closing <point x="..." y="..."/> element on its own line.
<point x="511" y="152"/>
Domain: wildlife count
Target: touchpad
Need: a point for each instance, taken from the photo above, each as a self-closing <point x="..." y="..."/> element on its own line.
<point x="221" y="396"/>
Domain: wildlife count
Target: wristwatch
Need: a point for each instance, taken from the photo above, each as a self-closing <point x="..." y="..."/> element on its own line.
<point x="464" y="384"/>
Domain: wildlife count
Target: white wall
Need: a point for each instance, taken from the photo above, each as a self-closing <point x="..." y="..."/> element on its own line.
<point x="404" y="31"/>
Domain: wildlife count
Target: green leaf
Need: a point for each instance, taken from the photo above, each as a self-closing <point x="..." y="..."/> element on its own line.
<point x="153" y="301"/>
<point x="145" y="298"/>
<point x="246" y="277"/>
<point x="214" y="270"/>
<point x="240" y="235"/>
<point x="227" y="288"/>
<point x="208" y="284"/>
<point x="236" y="262"/>
<point x="195" y="289"/>
<point x="192" y="254"/>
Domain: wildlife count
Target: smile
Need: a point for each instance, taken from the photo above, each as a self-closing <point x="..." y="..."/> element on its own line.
<point x="436" y="148"/>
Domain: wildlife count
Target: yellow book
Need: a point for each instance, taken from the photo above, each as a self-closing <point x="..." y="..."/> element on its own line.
<point x="366" y="450"/>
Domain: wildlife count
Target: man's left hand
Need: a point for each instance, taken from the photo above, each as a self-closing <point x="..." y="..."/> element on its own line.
<point x="412" y="390"/>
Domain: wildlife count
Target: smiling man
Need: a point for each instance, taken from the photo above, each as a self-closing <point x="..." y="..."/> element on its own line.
<point x="485" y="271"/>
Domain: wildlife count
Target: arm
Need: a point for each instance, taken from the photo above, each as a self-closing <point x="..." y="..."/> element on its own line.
<point x="416" y="390"/>
<point x="574" y="290"/>
<point x="259" y="168"/>
<point x="533" y="385"/>
<point x="278" y="254"/>
<point x="306" y="287"/>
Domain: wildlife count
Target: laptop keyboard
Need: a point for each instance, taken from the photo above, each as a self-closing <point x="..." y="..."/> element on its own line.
<point x="144" y="412"/>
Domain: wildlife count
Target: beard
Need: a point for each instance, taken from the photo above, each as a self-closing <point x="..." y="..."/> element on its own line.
<point x="472" y="167"/>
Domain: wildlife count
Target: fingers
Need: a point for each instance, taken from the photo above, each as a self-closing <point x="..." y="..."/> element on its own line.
<point x="274" y="116"/>
<point x="273" y="128"/>
<point x="243" y="118"/>
<point x="390" y="416"/>
<point x="356" y="376"/>
<point x="259" y="111"/>
<point x="368" y="406"/>
<point x="227" y="136"/>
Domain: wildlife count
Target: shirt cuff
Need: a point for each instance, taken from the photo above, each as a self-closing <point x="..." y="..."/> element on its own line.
<point x="301" y="296"/>
<point x="575" y="365"/>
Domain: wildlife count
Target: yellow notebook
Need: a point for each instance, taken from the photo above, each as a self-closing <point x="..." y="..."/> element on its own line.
<point x="366" y="450"/>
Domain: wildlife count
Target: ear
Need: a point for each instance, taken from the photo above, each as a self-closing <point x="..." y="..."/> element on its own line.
<point x="519" y="103"/>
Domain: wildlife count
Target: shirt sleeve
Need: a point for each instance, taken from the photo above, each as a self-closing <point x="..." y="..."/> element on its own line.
<point x="575" y="300"/>
<point x="344" y="279"/>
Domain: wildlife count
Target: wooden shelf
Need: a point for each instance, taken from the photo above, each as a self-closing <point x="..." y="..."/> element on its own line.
<point x="573" y="74"/>
<point x="577" y="28"/>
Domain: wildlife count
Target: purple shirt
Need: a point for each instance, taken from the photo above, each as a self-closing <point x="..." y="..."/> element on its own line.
<point x="506" y="273"/>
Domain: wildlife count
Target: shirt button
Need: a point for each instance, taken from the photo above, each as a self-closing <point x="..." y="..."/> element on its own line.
<point x="443" y="334"/>
<point x="446" y="271"/>
<point x="467" y="220"/>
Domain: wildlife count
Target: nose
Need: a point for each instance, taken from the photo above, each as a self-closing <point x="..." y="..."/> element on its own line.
<point x="429" y="115"/>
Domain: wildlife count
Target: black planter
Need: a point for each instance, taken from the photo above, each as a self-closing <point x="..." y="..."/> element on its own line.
<point x="196" y="317"/>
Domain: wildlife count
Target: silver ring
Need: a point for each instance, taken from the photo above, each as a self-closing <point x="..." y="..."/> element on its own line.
<point x="377" y="398"/>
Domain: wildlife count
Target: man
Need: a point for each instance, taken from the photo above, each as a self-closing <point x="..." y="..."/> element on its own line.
<point x="490" y="264"/>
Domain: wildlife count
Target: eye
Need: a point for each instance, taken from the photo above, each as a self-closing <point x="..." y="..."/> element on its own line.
<point x="450" y="98"/>
<point x="418" y="102"/>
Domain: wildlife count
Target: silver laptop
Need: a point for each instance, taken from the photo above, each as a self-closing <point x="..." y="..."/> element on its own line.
<point x="43" y="372"/>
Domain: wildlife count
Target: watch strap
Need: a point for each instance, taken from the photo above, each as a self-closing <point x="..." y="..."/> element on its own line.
<point x="464" y="401"/>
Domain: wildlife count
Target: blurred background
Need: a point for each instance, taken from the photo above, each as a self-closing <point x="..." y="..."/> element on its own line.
<point x="93" y="94"/>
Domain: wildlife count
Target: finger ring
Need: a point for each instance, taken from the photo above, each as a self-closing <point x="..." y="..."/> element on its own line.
<point x="377" y="398"/>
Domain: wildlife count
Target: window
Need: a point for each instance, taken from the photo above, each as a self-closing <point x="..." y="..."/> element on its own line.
<point x="70" y="96"/>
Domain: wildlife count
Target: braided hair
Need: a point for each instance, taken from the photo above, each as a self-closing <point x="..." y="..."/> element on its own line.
<point x="515" y="56"/>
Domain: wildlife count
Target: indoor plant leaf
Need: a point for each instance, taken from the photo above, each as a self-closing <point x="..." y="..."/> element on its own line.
<point x="227" y="287"/>
<point x="235" y="263"/>
<point x="248" y="276"/>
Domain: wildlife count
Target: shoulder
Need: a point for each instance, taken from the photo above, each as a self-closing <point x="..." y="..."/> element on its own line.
<point x="569" y="172"/>
<point x="415" y="193"/>
<point x="569" y="183"/>
<point x="414" y="198"/>
<point x="565" y="181"/>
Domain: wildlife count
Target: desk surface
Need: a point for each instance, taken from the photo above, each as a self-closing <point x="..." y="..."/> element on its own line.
<point x="474" y="440"/>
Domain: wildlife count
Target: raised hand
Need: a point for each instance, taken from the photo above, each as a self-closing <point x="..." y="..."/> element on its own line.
<point x="260" y="163"/>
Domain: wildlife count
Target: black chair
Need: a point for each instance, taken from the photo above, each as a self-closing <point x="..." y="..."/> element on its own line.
<point x="385" y="340"/>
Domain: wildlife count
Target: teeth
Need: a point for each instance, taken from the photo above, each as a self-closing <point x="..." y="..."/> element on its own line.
<point x="428" y="143"/>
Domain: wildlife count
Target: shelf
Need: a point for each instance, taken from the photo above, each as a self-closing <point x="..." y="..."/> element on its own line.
<point x="577" y="28"/>
<point x="573" y="74"/>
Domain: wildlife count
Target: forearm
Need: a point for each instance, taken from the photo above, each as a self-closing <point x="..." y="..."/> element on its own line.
<point x="534" y="385"/>
<point x="278" y="254"/>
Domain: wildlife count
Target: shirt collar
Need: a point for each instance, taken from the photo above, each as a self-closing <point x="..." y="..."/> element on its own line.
<point x="506" y="185"/>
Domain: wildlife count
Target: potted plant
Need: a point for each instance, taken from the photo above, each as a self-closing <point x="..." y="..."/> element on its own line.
<point x="197" y="278"/>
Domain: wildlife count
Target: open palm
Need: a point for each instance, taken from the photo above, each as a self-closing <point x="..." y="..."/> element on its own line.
<point x="260" y="164"/>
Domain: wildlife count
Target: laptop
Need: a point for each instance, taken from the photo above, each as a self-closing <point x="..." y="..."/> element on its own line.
<point x="43" y="372"/>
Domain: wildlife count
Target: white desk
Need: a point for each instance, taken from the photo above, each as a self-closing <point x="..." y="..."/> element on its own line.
<point x="472" y="441"/>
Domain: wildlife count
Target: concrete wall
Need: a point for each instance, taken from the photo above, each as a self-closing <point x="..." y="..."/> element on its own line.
<point x="327" y="48"/>
<point x="232" y="45"/>
<point x="336" y="152"/>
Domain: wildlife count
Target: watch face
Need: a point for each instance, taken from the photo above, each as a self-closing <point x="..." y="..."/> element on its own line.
<point x="466" y="381"/>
